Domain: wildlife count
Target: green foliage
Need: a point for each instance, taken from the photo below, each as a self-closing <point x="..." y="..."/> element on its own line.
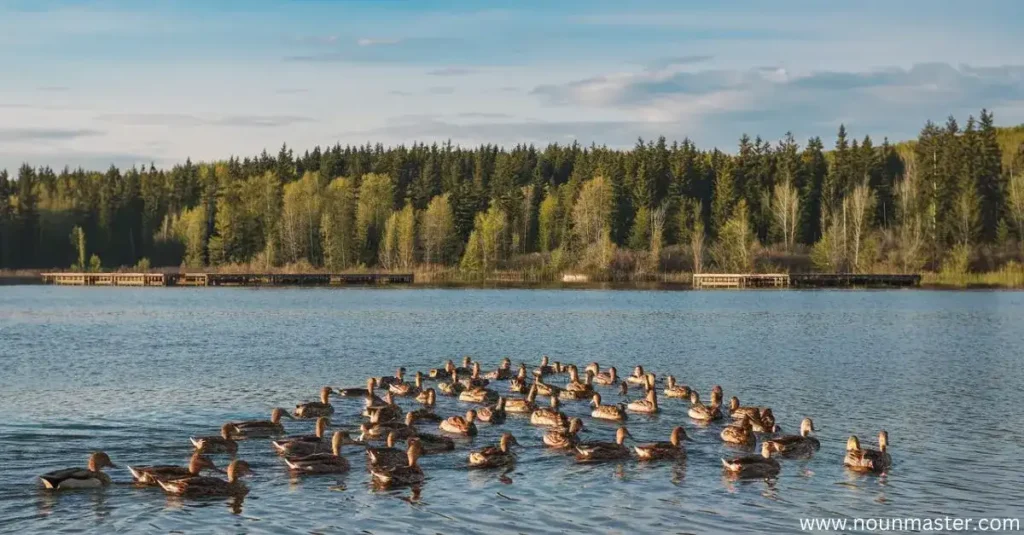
<point x="376" y="198"/>
<point x="95" y="266"/>
<point x="337" y="225"/>
<point x="143" y="265"/>
<point x="574" y="205"/>
<point x="733" y="253"/>
<point x="78" y="245"/>
<point x="957" y="261"/>
<point x="438" y="231"/>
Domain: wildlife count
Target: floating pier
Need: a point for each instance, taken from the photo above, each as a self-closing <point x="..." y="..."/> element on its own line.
<point x="803" y="280"/>
<point x="225" y="279"/>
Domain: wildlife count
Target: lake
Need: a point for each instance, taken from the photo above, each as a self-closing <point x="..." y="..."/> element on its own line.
<point x="135" y="372"/>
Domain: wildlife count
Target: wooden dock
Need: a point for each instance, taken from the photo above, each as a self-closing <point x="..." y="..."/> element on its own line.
<point x="740" y="280"/>
<point x="225" y="279"/>
<point x="804" y="280"/>
<point x="853" y="280"/>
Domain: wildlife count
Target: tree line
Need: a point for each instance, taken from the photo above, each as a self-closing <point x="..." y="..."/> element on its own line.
<point x="951" y="199"/>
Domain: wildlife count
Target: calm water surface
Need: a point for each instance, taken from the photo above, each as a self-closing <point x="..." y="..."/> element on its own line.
<point x="135" y="372"/>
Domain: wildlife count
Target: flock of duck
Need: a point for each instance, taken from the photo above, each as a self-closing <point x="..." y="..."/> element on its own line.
<point x="385" y="423"/>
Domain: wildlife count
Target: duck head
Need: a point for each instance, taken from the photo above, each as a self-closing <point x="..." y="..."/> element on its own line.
<point x="575" y="425"/>
<point x="678" y="435"/>
<point x="470" y="416"/>
<point x="507" y="441"/>
<point x="321" y="426"/>
<point x="883" y="440"/>
<point x="596" y="400"/>
<point x="853" y="443"/>
<point x="199" y="463"/>
<point x="336" y="441"/>
<point x="100" y="460"/>
<point x="806" y="426"/>
<point x="325" y="395"/>
<point x="413" y="452"/>
<point x="227" y="430"/>
<point x="277" y="414"/>
<point x="621" y="434"/>
<point x="734" y="403"/>
<point x="237" y="469"/>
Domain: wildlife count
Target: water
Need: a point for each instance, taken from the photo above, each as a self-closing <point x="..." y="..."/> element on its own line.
<point x="135" y="372"/>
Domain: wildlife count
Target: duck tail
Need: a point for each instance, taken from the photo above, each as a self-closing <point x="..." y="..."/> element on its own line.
<point x="49" y="483"/>
<point x="137" y="474"/>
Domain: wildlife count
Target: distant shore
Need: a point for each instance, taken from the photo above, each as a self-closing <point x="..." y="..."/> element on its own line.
<point x="1000" y="280"/>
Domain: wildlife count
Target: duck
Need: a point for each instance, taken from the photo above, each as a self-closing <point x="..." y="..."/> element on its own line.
<point x="548" y="416"/>
<point x="466" y="368"/>
<point x="606" y="412"/>
<point x="147" y="475"/>
<point x="564" y="438"/>
<point x="478" y="394"/>
<point x="210" y="486"/>
<point x="494" y="456"/>
<point x="444" y="372"/>
<point x="503" y="372"/>
<point x="91" y="476"/>
<point x="523" y="405"/>
<point x="406" y="389"/>
<point x="303" y="444"/>
<point x="387" y="381"/>
<point x="458" y="425"/>
<point x="404" y="474"/>
<point x="493" y="415"/>
<point x="427" y="397"/>
<point x="593" y="367"/>
<point x="544" y="389"/>
<point x="426" y="413"/>
<point x="604" y="451"/>
<point x="798" y="445"/>
<point x="738" y="412"/>
<point x="474" y="380"/>
<point x="872" y="461"/>
<point x="519" y="384"/>
<point x="316" y="409"/>
<point x="576" y="389"/>
<point x="430" y="443"/>
<point x="321" y="463"/>
<point x="638" y="377"/>
<point x="387" y="455"/>
<point x="764" y="425"/>
<point x="701" y="412"/>
<point x="716" y="396"/>
<point x="607" y="378"/>
<point x="401" y="430"/>
<point x="224" y="443"/>
<point x="672" y="390"/>
<point x="673" y="449"/>
<point x="389" y="411"/>
<point x="753" y="466"/>
<point x="260" y="428"/>
<point x="453" y="387"/>
<point x="648" y="405"/>
<point x="544" y="368"/>
<point x="371" y="385"/>
<point x="738" y="433"/>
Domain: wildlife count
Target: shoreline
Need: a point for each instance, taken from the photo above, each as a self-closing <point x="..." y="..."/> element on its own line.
<point x="671" y="286"/>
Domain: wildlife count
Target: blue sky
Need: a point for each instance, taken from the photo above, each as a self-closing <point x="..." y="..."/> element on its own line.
<point x="99" y="82"/>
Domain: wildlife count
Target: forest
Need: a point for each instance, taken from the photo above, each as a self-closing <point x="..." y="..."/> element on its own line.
<point x="951" y="200"/>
